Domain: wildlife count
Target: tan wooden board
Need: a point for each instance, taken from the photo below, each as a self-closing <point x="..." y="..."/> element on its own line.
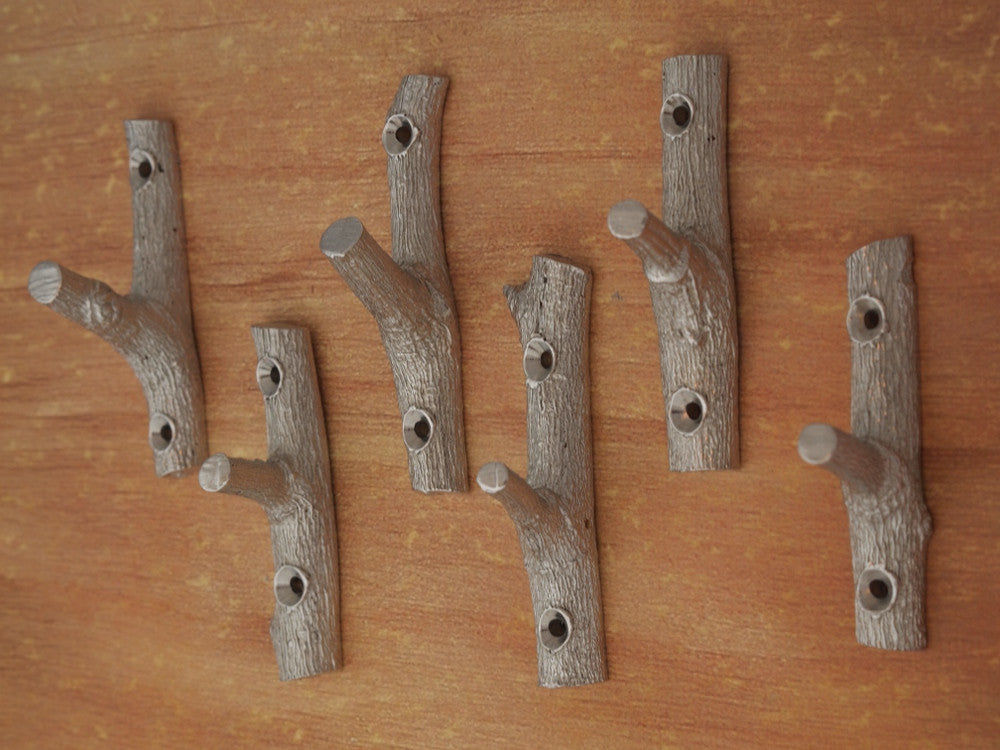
<point x="134" y="611"/>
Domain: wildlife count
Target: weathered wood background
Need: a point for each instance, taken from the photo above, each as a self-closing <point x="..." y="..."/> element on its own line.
<point x="134" y="611"/>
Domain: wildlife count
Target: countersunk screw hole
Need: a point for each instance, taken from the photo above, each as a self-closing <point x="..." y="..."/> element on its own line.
<point x="161" y="432"/>
<point x="418" y="427"/>
<point x="290" y="585"/>
<point x="554" y="629"/>
<point x="398" y="135"/>
<point x="539" y="360"/>
<point x="865" y="319"/>
<point x="687" y="410"/>
<point x="269" y="376"/>
<point x="876" y="589"/>
<point x="676" y="115"/>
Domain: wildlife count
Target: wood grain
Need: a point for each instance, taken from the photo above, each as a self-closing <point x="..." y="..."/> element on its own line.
<point x="135" y="611"/>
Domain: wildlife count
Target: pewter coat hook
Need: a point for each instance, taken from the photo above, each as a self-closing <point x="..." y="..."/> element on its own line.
<point x="294" y="488"/>
<point x="687" y="258"/>
<point x="151" y="325"/>
<point x="879" y="462"/>
<point x="553" y="511"/>
<point x="410" y="294"/>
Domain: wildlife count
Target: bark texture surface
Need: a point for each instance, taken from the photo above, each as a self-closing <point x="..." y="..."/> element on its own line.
<point x="890" y="528"/>
<point x="410" y="294"/>
<point x="294" y="488"/>
<point x="553" y="511"/>
<point x="696" y="315"/>
<point x="151" y="326"/>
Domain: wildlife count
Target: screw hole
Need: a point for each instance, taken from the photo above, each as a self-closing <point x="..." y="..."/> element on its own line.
<point x="865" y="320"/>
<point x="418" y="427"/>
<point x="676" y="115"/>
<point x="681" y="115"/>
<point x="539" y="360"/>
<point x="872" y="319"/>
<point x="554" y="629"/>
<point x="398" y="135"/>
<point x="290" y="585"/>
<point x="422" y="429"/>
<point x="876" y="589"/>
<point x="161" y="432"/>
<point x="879" y="589"/>
<point x="404" y="134"/>
<point x="142" y="166"/>
<point x="269" y="376"/>
<point x="687" y="410"/>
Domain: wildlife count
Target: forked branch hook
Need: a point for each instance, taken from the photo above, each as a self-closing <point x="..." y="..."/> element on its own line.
<point x="294" y="487"/>
<point x="687" y="258"/>
<point x="879" y="462"/>
<point x="151" y="326"/>
<point x="410" y="293"/>
<point x="553" y="511"/>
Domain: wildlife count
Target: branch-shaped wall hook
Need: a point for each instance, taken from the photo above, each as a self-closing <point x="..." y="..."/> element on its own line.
<point x="879" y="463"/>
<point x="151" y="326"/>
<point x="410" y="293"/>
<point x="294" y="488"/>
<point x="553" y="510"/>
<point x="687" y="258"/>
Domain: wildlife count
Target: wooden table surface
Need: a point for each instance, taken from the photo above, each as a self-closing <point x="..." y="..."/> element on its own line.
<point x="134" y="611"/>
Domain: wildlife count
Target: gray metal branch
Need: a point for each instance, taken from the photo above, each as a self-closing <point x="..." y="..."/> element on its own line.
<point x="294" y="488"/>
<point x="879" y="462"/>
<point x="553" y="511"/>
<point x="410" y="294"/>
<point x="151" y="326"/>
<point x="687" y="258"/>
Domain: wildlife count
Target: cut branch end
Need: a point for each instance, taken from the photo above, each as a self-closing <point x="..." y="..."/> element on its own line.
<point x="214" y="473"/>
<point x="45" y="282"/>
<point x="341" y="237"/>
